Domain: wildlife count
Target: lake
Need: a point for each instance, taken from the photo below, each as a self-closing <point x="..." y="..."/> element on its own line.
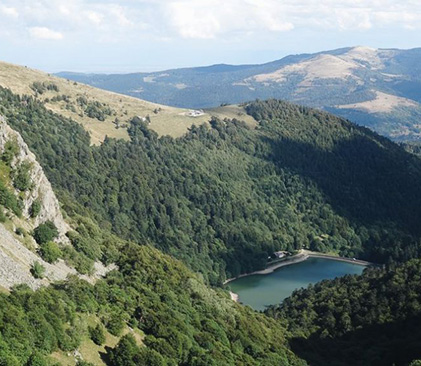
<point x="259" y="291"/>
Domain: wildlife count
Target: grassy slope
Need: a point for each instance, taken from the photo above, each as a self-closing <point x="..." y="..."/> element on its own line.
<point x="168" y="121"/>
<point x="91" y="352"/>
<point x="233" y="112"/>
<point x="378" y="89"/>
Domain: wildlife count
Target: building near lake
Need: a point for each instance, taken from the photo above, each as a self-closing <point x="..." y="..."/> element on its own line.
<point x="281" y="254"/>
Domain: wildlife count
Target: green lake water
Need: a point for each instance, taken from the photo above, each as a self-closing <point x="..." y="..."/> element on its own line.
<point x="259" y="291"/>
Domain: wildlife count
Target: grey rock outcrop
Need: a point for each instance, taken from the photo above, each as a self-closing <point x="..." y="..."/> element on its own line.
<point x="16" y="259"/>
<point x="42" y="191"/>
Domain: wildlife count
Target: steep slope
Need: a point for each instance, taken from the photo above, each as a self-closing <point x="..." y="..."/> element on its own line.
<point x="378" y="88"/>
<point x="101" y="113"/>
<point x="40" y="190"/>
<point x="27" y="203"/>
<point x="373" y="319"/>
<point x="149" y="310"/>
<point x="224" y="198"/>
<point x="180" y="320"/>
<point x="221" y="198"/>
<point x="16" y="259"/>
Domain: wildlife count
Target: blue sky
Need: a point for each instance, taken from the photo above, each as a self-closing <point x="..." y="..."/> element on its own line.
<point x="149" y="35"/>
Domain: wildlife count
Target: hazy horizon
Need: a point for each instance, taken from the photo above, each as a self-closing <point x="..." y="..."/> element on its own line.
<point x="152" y="69"/>
<point x="153" y="35"/>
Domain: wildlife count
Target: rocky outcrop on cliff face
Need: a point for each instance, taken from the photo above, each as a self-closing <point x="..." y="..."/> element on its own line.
<point x="16" y="259"/>
<point x="41" y="191"/>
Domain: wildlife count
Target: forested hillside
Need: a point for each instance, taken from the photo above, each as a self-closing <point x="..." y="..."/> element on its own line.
<point x="221" y="198"/>
<point x="181" y="321"/>
<point x="224" y="198"/>
<point x="149" y="310"/>
<point x="373" y="319"/>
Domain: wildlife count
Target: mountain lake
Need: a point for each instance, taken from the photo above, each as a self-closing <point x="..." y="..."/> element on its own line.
<point x="260" y="291"/>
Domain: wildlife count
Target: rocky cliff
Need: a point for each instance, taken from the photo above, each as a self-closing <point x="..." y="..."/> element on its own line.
<point x="18" y="252"/>
<point x="41" y="188"/>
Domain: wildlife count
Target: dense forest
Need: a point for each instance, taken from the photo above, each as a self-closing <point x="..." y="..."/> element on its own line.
<point x="225" y="196"/>
<point x="221" y="199"/>
<point x="414" y="148"/>
<point x="183" y="321"/>
<point x="373" y="319"/>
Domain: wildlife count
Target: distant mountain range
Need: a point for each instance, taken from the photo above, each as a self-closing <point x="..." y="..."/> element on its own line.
<point x="378" y="88"/>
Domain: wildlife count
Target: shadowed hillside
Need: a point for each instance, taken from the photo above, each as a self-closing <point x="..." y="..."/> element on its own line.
<point x="223" y="198"/>
<point x="373" y="319"/>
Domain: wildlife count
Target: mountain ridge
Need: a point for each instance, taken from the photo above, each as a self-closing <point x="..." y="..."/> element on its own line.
<point x="337" y="80"/>
<point x="102" y="113"/>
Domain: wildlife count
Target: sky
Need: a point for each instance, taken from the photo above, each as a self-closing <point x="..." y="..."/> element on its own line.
<point x="150" y="35"/>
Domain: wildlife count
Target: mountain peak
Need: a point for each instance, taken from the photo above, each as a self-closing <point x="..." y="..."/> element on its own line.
<point x="364" y="49"/>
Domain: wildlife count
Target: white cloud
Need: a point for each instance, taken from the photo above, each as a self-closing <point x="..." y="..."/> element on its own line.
<point x="193" y="20"/>
<point x="44" y="33"/>
<point x="210" y="18"/>
<point x="119" y="14"/>
<point x="114" y="20"/>
<point x="94" y="17"/>
<point x="358" y="19"/>
<point x="9" y="11"/>
<point x="213" y="18"/>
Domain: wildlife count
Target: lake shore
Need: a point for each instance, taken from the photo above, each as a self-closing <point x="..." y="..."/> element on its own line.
<point x="301" y="256"/>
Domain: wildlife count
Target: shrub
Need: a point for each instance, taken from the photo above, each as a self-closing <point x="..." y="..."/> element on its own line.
<point x="22" y="179"/>
<point x="20" y="231"/>
<point x="8" y="359"/>
<point x="84" y="363"/>
<point x="36" y="360"/>
<point x="70" y="339"/>
<point x="2" y="215"/>
<point x="11" y="149"/>
<point x="79" y="261"/>
<point x="45" y="232"/>
<point x="126" y="353"/>
<point x="50" y="252"/>
<point x="115" y="323"/>
<point x="35" y="209"/>
<point x="9" y="200"/>
<point x="38" y="270"/>
<point x="97" y="334"/>
<point x="38" y="87"/>
<point x="89" y="247"/>
<point x="84" y="265"/>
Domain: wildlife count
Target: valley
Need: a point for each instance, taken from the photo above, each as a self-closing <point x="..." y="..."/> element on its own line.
<point x="150" y="225"/>
<point x="264" y="210"/>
